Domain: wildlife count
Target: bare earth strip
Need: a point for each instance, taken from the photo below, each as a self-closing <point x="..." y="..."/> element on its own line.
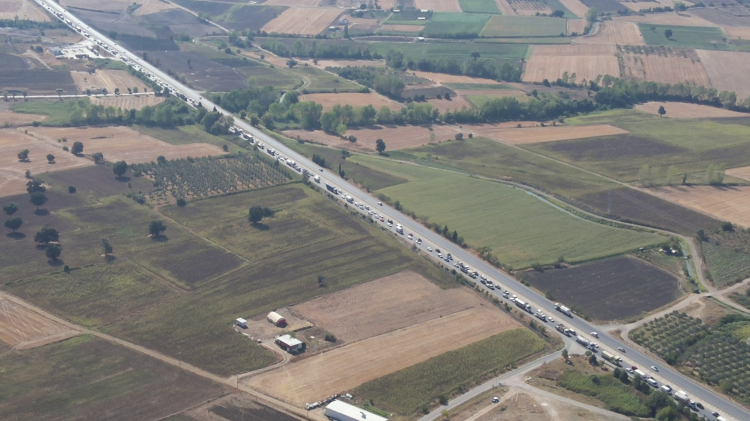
<point x="395" y="137"/>
<point x="106" y="79"/>
<point x="129" y="102"/>
<point x="686" y="110"/>
<point x="303" y="21"/>
<point x="576" y="7"/>
<point x="724" y="203"/>
<point x="446" y="78"/>
<point x="727" y="71"/>
<point x="505" y="8"/>
<point x="683" y="19"/>
<point x="23" y="328"/>
<point x="671" y="69"/>
<point x="346" y="367"/>
<point x="353" y="99"/>
<point x="516" y="136"/>
<point x="586" y="61"/>
<point x="623" y="33"/>
<point x="741" y="172"/>
<point x="576" y="25"/>
<point x="439" y="5"/>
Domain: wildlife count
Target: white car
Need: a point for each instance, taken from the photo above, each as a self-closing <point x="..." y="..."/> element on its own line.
<point x="655" y="368"/>
<point x="440" y="255"/>
<point x="629" y="370"/>
<point x="419" y="241"/>
<point x="495" y="399"/>
<point x="380" y="203"/>
<point x="594" y="334"/>
<point x="429" y="249"/>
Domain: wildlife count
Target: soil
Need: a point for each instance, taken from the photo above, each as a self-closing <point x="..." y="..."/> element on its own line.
<point x="612" y="32"/>
<point x="576" y="7"/>
<point x="24" y="328"/>
<point x="260" y="328"/>
<point x="107" y="79"/>
<point x="129" y="102"/>
<point x="726" y="203"/>
<point x="707" y="310"/>
<point x="726" y="70"/>
<point x="18" y="119"/>
<point x="516" y="136"/>
<point x="446" y="78"/>
<point x="395" y="137"/>
<point x="456" y="103"/>
<point x="353" y="99"/>
<point x="237" y="407"/>
<point x="577" y="26"/>
<point x="438" y="5"/>
<point x="664" y="65"/>
<point x="586" y="61"/>
<point x="682" y="19"/>
<point x="303" y="21"/>
<point x="685" y="110"/>
<point x="22" y="9"/>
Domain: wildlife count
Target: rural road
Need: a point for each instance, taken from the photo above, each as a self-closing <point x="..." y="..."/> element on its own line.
<point x="711" y="399"/>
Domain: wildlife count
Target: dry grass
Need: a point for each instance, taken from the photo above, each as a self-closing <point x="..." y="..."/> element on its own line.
<point x="521" y="136"/>
<point x="17" y="119"/>
<point x="303" y="21"/>
<point x="685" y="110"/>
<point x="153" y="6"/>
<point x="576" y="7"/>
<point x="128" y="101"/>
<point x="577" y="26"/>
<point x="354" y="99"/>
<point x="741" y="172"/>
<point x="679" y="67"/>
<point x="505" y="8"/>
<point x="727" y="71"/>
<point x="446" y="78"/>
<point x="623" y="33"/>
<point x="395" y="137"/>
<point x="586" y="61"/>
<point x="683" y="19"/>
<point x="106" y="79"/>
<point x="23" y="9"/>
<point x="439" y="5"/>
<point x="638" y="5"/>
<point x="724" y="203"/>
<point x="23" y="328"/>
<point x="457" y="102"/>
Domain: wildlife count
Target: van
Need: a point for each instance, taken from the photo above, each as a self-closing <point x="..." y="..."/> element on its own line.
<point x="652" y="382"/>
<point x="666" y="389"/>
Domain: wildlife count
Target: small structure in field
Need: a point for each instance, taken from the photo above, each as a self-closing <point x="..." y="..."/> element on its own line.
<point x="342" y="411"/>
<point x="276" y="318"/>
<point x="241" y="323"/>
<point x="289" y="344"/>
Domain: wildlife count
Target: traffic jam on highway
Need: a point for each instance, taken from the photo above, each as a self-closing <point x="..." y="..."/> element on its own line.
<point x="378" y="216"/>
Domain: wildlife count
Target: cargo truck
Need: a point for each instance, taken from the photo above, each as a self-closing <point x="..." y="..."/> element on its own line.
<point x="332" y="189"/>
<point x="614" y="359"/>
<point x="640" y="373"/>
<point x="522" y="304"/>
<point x="399" y="229"/>
<point x="316" y="178"/>
<point x="562" y="309"/>
<point x="581" y="340"/>
<point x="561" y="328"/>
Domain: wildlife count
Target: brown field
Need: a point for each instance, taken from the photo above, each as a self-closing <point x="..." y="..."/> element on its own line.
<point x="395" y="137"/>
<point x="726" y="70"/>
<point x="386" y="4"/>
<point x="737" y="32"/>
<point x="349" y="366"/>
<point x="153" y="6"/>
<point x="303" y="21"/>
<point x="683" y="19"/>
<point x="576" y="7"/>
<point x="638" y="5"/>
<point x="354" y="99"/>
<point x="725" y="203"/>
<point x="353" y="63"/>
<point x="23" y="9"/>
<point x="106" y="6"/>
<point x="293" y="3"/>
<point x="673" y="67"/>
<point x="446" y="78"/>
<point x="106" y="79"/>
<point x="741" y="172"/>
<point x="457" y="102"/>
<point x="439" y="5"/>
<point x="516" y="136"/>
<point x="128" y="101"/>
<point x="530" y="8"/>
<point x="17" y="119"/>
<point x="123" y="143"/>
<point x="586" y="61"/>
<point x="402" y="28"/>
<point x="505" y="8"/>
<point x="576" y="25"/>
<point x="686" y="110"/>
<point x="623" y="33"/>
<point x="23" y="328"/>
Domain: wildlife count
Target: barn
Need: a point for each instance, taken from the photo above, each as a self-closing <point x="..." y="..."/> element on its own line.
<point x="342" y="411"/>
<point x="289" y="344"/>
<point x="276" y="318"/>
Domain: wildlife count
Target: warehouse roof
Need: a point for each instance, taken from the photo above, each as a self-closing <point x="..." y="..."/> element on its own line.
<point x="353" y="412"/>
<point x="289" y="341"/>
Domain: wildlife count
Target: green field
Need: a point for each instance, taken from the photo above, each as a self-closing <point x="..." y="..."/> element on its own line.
<point x="282" y="79"/>
<point x="416" y="51"/>
<point x="407" y="390"/>
<point x="479" y="6"/>
<point x="184" y="135"/>
<point x="527" y="40"/>
<point x="83" y="376"/>
<point x="57" y="112"/>
<point x="319" y="81"/>
<point x="524" y="26"/>
<point x="704" y="38"/>
<point x="519" y="228"/>
<point x="456" y="25"/>
<point x="615" y="395"/>
<point x="728" y="256"/>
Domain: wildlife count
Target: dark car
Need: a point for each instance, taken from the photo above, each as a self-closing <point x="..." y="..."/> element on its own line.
<point x="699" y="405"/>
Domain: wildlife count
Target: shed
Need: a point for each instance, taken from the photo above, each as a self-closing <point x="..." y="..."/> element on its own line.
<point x="276" y="318"/>
<point x="241" y="323"/>
<point x="289" y="344"/>
<point x="342" y="411"/>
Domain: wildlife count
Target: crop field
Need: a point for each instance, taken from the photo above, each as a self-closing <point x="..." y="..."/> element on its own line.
<point x="23" y="328"/>
<point x="107" y="79"/>
<point x="709" y="38"/>
<point x="303" y="21"/>
<point x="577" y="7"/>
<point x="682" y="19"/>
<point x="346" y="367"/>
<point x="516" y="136"/>
<point x="26" y="10"/>
<point x="438" y="5"/>
<point x="524" y="26"/>
<point x="295" y="3"/>
<point x="585" y="61"/>
<point x="613" y="32"/>
<point x="505" y="8"/>
<point x="457" y="102"/>
<point x="237" y="407"/>
<point x="320" y="81"/>
<point x="449" y="25"/>
<point x="130" y="102"/>
<point x="724" y="17"/>
<point x="604" y="6"/>
<point x="153" y="6"/>
<point x="686" y="110"/>
<point x="210" y="8"/>
<point x="353" y="99"/>
<point x="8" y="118"/>
<point x="84" y="376"/>
<point x="184" y="135"/>
<point x="737" y="32"/>
<point x="446" y="78"/>
<point x="115" y="6"/>
<point x="395" y="138"/>
<point x="37" y="81"/>
<point x="723" y="203"/>
<point x="278" y="78"/>
<point x="203" y="73"/>
<point x="722" y="68"/>
<point x="663" y="65"/>
<point x="119" y="143"/>
<point x="577" y="26"/>
<point x="529" y="7"/>
<point x="453" y="49"/>
<point x="479" y="6"/>
<point x="180" y="22"/>
<point x="535" y="231"/>
<point x="741" y="172"/>
<point x="407" y="390"/>
<point x="610" y="289"/>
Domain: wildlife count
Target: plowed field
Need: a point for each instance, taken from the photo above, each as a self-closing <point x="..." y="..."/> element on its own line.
<point x="106" y="79"/>
<point x="576" y="7"/>
<point x="303" y="21"/>
<point x="686" y="110"/>
<point x="612" y="32"/>
<point x="24" y="328"/>
<point x="395" y="138"/>
<point x="586" y="61"/>
<point x="742" y="172"/>
<point x="727" y="71"/>
<point x="665" y="66"/>
<point x="683" y="19"/>
<point x="439" y="5"/>
<point x="576" y="25"/>
<point x="724" y="203"/>
<point x="128" y="101"/>
<point x="353" y="99"/>
<point x="516" y="136"/>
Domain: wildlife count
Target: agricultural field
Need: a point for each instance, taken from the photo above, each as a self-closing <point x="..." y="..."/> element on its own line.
<point x="438" y="5"/>
<point x="84" y="376"/>
<point x="445" y="79"/>
<point x="672" y="19"/>
<point x="353" y="99"/>
<point x="453" y="25"/>
<point x="129" y="102"/>
<point x="302" y="21"/>
<point x="408" y="390"/>
<point x="459" y="101"/>
<point x="662" y="65"/>
<point x="153" y="6"/>
<point x="708" y="38"/>
<point x="613" y="32"/>
<point x="585" y="61"/>
<point x="505" y="8"/>
<point x="479" y="6"/>
<point x="722" y="66"/>
<point x="724" y="17"/>
<point x="37" y="81"/>
<point x="741" y="172"/>
<point x="210" y="8"/>
<point x="524" y="26"/>
<point x="520" y="136"/>
<point x="456" y="50"/>
<point x="395" y="138"/>
<point x="680" y="110"/>
<point x="107" y="79"/>
<point x="199" y="71"/>
<point x="605" y="6"/>
<point x="320" y="81"/>
<point x="179" y="22"/>
<point x="22" y="9"/>
<point x="727" y="256"/>
<point x="235" y="407"/>
<point x="281" y="79"/>
<point x="612" y="289"/>
<point x="23" y="328"/>
<point x="576" y="26"/>
<point x="476" y="209"/>
<point x="577" y="7"/>
<point x="9" y="119"/>
<point x="529" y="7"/>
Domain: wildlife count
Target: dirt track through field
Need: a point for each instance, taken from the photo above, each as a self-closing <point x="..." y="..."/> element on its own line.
<point x="686" y="110"/>
<point x="586" y="61"/>
<point x="727" y="71"/>
<point x="516" y="136"/>
<point x="23" y="328"/>
<point x="611" y="32"/>
<point x="725" y="203"/>
<point x="303" y="21"/>
<point x="107" y="79"/>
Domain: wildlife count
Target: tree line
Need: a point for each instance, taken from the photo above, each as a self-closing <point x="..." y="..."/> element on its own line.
<point x="314" y="49"/>
<point x="472" y="66"/>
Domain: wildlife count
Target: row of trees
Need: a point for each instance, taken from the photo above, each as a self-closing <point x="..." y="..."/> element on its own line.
<point x="472" y="66"/>
<point x="315" y="49"/>
<point x="381" y="80"/>
<point x="170" y="113"/>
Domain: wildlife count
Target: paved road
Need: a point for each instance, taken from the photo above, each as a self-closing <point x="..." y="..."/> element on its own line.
<point x="430" y="238"/>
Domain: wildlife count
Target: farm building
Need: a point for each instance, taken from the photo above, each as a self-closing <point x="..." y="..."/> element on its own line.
<point x="342" y="411"/>
<point x="276" y="318"/>
<point x="289" y="344"/>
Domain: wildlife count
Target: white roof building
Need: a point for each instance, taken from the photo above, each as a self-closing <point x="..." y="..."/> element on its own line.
<point x="342" y="411"/>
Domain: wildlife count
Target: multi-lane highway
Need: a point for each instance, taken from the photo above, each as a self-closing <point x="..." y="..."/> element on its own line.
<point x="666" y="374"/>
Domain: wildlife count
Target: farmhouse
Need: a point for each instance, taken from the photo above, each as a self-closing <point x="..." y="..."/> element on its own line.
<point x="276" y="318"/>
<point x="289" y="344"/>
<point x="342" y="411"/>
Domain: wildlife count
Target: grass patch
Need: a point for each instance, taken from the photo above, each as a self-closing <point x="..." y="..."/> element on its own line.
<point x="612" y="392"/>
<point x="282" y="79"/>
<point x="479" y="6"/>
<point x="524" y="26"/>
<point x="704" y="38"/>
<point x="58" y="112"/>
<point x="453" y="372"/>
<point x="478" y="86"/>
<point x="321" y="81"/>
<point x="185" y="135"/>
<point x="456" y="25"/>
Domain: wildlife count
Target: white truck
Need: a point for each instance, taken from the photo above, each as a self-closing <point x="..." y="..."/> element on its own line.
<point x="680" y="395"/>
<point x="562" y="309"/>
<point x="581" y="340"/>
<point x="399" y="229"/>
<point x="540" y="315"/>
<point x="316" y="178"/>
<point x="614" y="359"/>
<point x="271" y="152"/>
<point x="523" y="304"/>
<point x="641" y="373"/>
<point x="349" y="199"/>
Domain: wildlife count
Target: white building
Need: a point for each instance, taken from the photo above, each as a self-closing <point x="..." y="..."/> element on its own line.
<point x="342" y="411"/>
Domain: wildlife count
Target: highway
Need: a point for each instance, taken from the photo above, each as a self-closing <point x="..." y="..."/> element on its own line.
<point x="666" y="375"/>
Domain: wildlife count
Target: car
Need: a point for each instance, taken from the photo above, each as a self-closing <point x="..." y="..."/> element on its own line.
<point x="630" y="370"/>
<point x="621" y="349"/>
<point x="380" y="203"/>
<point x="594" y="334"/>
<point x="699" y="405"/>
<point x="551" y="320"/>
<point x="655" y="368"/>
<point x="321" y="169"/>
<point x="429" y="249"/>
<point x="715" y="414"/>
<point x="438" y="250"/>
<point x="505" y="291"/>
<point x="440" y="255"/>
<point x="495" y="399"/>
<point x="419" y="241"/>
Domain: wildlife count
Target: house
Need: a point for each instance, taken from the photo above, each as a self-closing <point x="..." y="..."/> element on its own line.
<point x="289" y="344"/>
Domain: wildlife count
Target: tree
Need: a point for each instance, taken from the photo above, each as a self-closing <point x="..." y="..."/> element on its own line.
<point x="667" y="414"/>
<point x="592" y="14"/>
<point x="658" y="399"/>
<point x="256" y="214"/>
<point x="38" y="199"/>
<point x="46" y="236"/>
<point x="23" y="156"/>
<point x="155" y="228"/>
<point x="715" y="175"/>
<point x="565" y="354"/>
<point x="13" y="223"/>
<point x="35" y="185"/>
<point x="77" y="148"/>
<point x="662" y="111"/>
<point x="668" y="33"/>
<point x="53" y="251"/>
<point x="10" y="208"/>
<point x="71" y="189"/>
<point x="106" y="247"/>
<point x="98" y="157"/>
<point x="557" y="13"/>
<point x="119" y="168"/>
<point x="161" y="160"/>
<point x="380" y="145"/>
<point x="50" y="158"/>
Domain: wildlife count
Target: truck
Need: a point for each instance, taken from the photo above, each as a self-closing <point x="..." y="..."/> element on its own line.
<point x="640" y="373"/>
<point x="561" y="328"/>
<point x="332" y="189"/>
<point x="614" y="359"/>
<point x="271" y="152"/>
<point x="562" y="309"/>
<point x="681" y="396"/>
<point x="581" y="340"/>
<point x="399" y="229"/>
<point x="522" y="304"/>
<point x="247" y="137"/>
<point x="349" y="199"/>
<point x="539" y="315"/>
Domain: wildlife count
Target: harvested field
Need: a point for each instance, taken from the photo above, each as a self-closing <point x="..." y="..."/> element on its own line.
<point x="638" y="5"/>
<point x="303" y="21"/>
<point x="439" y="5"/>
<point x="129" y="102"/>
<point x="116" y="6"/>
<point x="610" y="289"/>
<point x="576" y="26"/>
<point x="529" y="7"/>
<point x="349" y="366"/>
<point x="516" y="136"/>
<point x="576" y="7"/>
<point x="153" y="6"/>
<point x="687" y="110"/>
<point x="395" y="137"/>
<point x="395" y="301"/>
<point x="353" y="99"/>
<point x="741" y="172"/>
<point x="663" y="65"/>
<point x="235" y="407"/>
<point x="293" y="3"/>
<point x="737" y="32"/>
<point x="121" y="143"/>
<point x="723" y="17"/>
<point x="722" y="68"/>
<point x="682" y="19"/>
<point x="402" y="28"/>
<point x="523" y="26"/>
<point x="446" y="78"/>
<point x="612" y="32"/>
<point x="724" y="203"/>
<point x="23" y="328"/>
<point x="37" y="81"/>
<point x="586" y="61"/>
<point x="18" y="119"/>
<point x="23" y="9"/>
<point x="505" y="8"/>
<point x="457" y="102"/>
<point x="106" y="79"/>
